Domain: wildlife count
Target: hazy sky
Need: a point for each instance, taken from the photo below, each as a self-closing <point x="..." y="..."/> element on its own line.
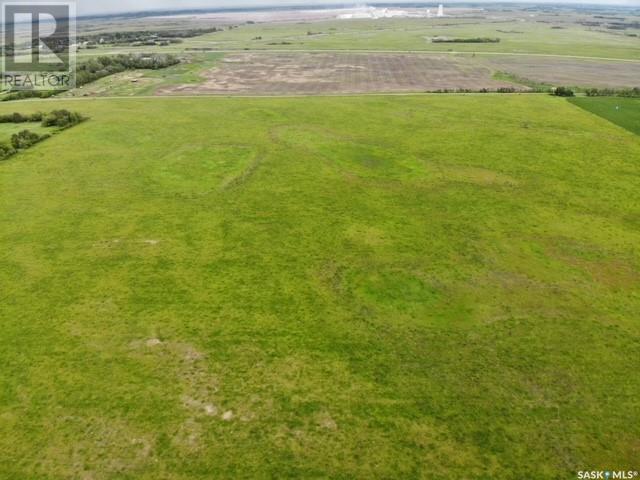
<point x="100" y="6"/>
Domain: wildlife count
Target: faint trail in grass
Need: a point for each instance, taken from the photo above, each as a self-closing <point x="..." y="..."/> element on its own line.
<point x="245" y="175"/>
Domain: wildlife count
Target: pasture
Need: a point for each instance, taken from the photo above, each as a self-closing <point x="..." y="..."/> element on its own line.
<point x="358" y="287"/>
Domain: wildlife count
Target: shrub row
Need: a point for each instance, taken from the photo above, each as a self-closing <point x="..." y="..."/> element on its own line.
<point x="23" y="94"/>
<point x="20" y="141"/>
<point x="480" y="90"/>
<point x="56" y="118"/>
<point x="20" y="118"/>
<point x="26" y="138"/>
<point x="612" y="92"/>
<point x="466" y="40"/>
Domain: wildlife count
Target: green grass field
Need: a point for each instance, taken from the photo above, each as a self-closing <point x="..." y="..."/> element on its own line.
<point x="375" y="287"/>
<point x="416" y="34"/>
<point x="621" y="111"/>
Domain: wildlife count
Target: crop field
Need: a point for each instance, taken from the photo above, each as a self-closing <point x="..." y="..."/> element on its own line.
<point x="323" y="73"/>
<point x="439" y="286"/>
<point x="621" y="111"/>
<point x="272" y="73"/>
<point x="569" y="71"/>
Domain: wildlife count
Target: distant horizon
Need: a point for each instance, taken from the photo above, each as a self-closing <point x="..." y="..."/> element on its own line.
<point x="127" y="7"/>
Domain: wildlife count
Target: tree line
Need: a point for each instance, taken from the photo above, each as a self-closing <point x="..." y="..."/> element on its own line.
<point x="144" y="37"/>
<point x="100" y="67"/>
<point x="613" y="92"/>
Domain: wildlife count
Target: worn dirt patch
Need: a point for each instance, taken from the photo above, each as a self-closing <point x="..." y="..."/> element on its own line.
<point x="602" y="266"/>
<point x="327" y="73"/>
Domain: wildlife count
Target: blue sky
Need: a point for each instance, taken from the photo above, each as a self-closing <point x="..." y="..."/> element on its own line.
<point x="101" y="6"/>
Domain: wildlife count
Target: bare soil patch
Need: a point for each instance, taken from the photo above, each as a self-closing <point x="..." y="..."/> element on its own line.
<point x="326" y="73"/>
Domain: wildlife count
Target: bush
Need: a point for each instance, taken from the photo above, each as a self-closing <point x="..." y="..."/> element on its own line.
<point x="563" y="92"/>
<point x="25" y="139"/>
<point x="6" y="150"/>
<point x="62" y="119"/>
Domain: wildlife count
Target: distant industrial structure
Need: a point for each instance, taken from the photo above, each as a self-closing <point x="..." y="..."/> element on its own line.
<point x="366" y="12"/>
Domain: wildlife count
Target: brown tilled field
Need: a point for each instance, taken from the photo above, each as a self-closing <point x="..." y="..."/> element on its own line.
<point x="570" y="71"/>
<point x="326" y="73"/>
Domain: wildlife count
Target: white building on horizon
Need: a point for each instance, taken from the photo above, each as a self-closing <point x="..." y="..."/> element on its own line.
<point x="367" y="12"/>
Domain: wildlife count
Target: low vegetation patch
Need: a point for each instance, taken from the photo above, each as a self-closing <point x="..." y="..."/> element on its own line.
<point x="465" y="40"/>
<point x="532" y="84"/>
<point x="56" y="120"/>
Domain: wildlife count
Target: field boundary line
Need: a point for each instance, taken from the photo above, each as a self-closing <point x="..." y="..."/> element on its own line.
<point x="312" y="95"/>
<point x="407" y="52"/>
